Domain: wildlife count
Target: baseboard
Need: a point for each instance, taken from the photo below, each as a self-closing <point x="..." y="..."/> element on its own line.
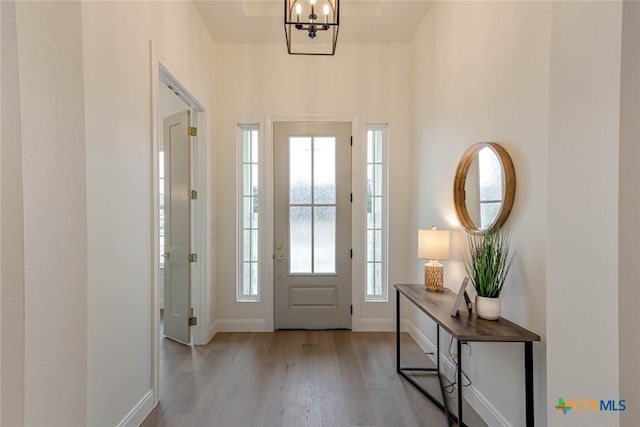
<point x="472" y="395"/>
<point x="376" y="325"/>
<point x="239" y="325"/>
<point x="260" y="325"/>
<point x="138" y="413"/>
<point x="212" y="331"/>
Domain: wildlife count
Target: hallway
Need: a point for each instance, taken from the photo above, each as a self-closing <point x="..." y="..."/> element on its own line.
<point x="291" y="378"/>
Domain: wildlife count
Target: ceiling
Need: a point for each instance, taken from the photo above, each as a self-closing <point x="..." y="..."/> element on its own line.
<point x="361" y="21"/>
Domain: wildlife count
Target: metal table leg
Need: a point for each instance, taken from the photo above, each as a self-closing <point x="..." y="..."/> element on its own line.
<point x="459" y="385"/>
<point x="444" y="398"/>
<point x="528" y="379"/>
<point x="397" y="331"/>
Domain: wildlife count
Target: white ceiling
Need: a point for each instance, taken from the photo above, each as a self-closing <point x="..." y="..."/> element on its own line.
<point x="361" y="21"/>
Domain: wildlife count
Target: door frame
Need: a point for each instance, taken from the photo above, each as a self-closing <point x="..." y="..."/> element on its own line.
<point x="200" y="212"/>
<point x="358" y="188"/>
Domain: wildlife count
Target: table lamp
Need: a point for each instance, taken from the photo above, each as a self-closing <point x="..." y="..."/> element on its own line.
<point x="433" y="245"/>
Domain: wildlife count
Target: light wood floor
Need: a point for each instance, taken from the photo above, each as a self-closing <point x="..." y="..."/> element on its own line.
<point x="291" y="379"/>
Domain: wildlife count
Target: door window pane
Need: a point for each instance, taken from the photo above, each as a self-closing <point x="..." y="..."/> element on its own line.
<point x="246" y="212"/>
<point x="246" y="278"/>
<point x="377" y="247"/>
<point x="371" y="240"/>
<point x="377" y="213"/>
<point x="246" y="180"/>
<point x="324" y="170"/>
<point x="378" y="180"/>
<point x="246" y="255"/>
<point x="300" y="239"/>
<point x="300" y="170"/>
<point x="324" y="244"/>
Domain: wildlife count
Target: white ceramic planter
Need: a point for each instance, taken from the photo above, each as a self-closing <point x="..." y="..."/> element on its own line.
<point x="488" y="308"/>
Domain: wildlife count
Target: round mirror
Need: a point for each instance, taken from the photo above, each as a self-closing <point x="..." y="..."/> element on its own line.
<point x="484" y="187"/>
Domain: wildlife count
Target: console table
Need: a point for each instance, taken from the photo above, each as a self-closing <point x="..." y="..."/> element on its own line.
<point x="464" y="328"/>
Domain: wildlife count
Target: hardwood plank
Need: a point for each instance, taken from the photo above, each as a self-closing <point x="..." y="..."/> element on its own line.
<point x="291" y="379"/>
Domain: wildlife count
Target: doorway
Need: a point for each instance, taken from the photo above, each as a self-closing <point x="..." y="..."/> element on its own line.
<point x="167" y="88"/>
<point x="312" y="225"/>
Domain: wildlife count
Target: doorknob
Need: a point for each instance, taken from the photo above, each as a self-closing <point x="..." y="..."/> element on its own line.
<point x="280" y="257"/>
<point x="165" y="255"/>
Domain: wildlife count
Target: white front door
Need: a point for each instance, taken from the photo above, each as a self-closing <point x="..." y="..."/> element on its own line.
<point x="177" y="227"/>
<point x="312" y="230"/>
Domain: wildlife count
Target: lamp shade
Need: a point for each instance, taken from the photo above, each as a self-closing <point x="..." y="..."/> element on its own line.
<point x="433" y="244"/>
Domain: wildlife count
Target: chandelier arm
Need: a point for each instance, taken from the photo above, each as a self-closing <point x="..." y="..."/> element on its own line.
<point x="318" y="27"/>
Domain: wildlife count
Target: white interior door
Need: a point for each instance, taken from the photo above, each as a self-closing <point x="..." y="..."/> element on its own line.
<point x="312" y="230"/>
<point x="177" y="227"/>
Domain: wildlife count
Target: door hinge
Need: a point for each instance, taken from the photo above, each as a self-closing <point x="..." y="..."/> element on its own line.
<point x="194" y="195"/>
<point x="193" y="257"/>
<point x="193" y="320"/>
<point x="350" y="253"/>
<point x="351" y="197"/>
<point x="193" y="131"/>
<point x="351" y="141"/>
<point x="352" y="309"/>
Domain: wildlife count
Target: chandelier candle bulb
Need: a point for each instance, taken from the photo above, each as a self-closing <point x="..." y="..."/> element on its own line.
<point x="298" y="10"/>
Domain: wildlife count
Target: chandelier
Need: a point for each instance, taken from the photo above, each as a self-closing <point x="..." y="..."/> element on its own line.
<point x="311" y="26"/>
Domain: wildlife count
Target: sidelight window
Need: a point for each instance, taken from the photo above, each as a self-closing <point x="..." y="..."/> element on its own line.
<point x="376" y="221"/>
<point x="248" y="213"/>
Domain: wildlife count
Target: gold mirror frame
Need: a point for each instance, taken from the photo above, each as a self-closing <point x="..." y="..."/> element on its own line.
<point x="461" y="179"/>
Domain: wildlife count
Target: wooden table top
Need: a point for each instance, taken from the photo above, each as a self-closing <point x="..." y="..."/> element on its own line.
<point x="464" y="327"/>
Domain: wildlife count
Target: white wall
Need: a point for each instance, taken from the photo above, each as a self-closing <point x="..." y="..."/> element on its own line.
<point x="118" y="88"/>
<point x="12" y="228"/>
<point x="76" y="197"/>
<point x="118" y="121"/>
<point x="55" y="251"/>
<point x="582" y="255"/>
<point x="481" y="74"/>
<point x="2" y="36"/>
<point x="366" y="83"/>
<point x="543" y="79"/>
<point x="629" y="212"/>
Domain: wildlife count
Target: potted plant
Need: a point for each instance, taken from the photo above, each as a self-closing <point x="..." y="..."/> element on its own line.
<point x="487" y="265"/>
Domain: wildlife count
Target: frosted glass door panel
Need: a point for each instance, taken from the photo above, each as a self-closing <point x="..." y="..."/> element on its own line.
<point x="324" y="244"/>
<point x="324" y="170"/>
<point x="301" y="237"/>
<point x="300" y="161"/>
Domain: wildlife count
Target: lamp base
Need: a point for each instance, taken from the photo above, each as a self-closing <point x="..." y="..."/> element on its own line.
<point x="434" y="277"/>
